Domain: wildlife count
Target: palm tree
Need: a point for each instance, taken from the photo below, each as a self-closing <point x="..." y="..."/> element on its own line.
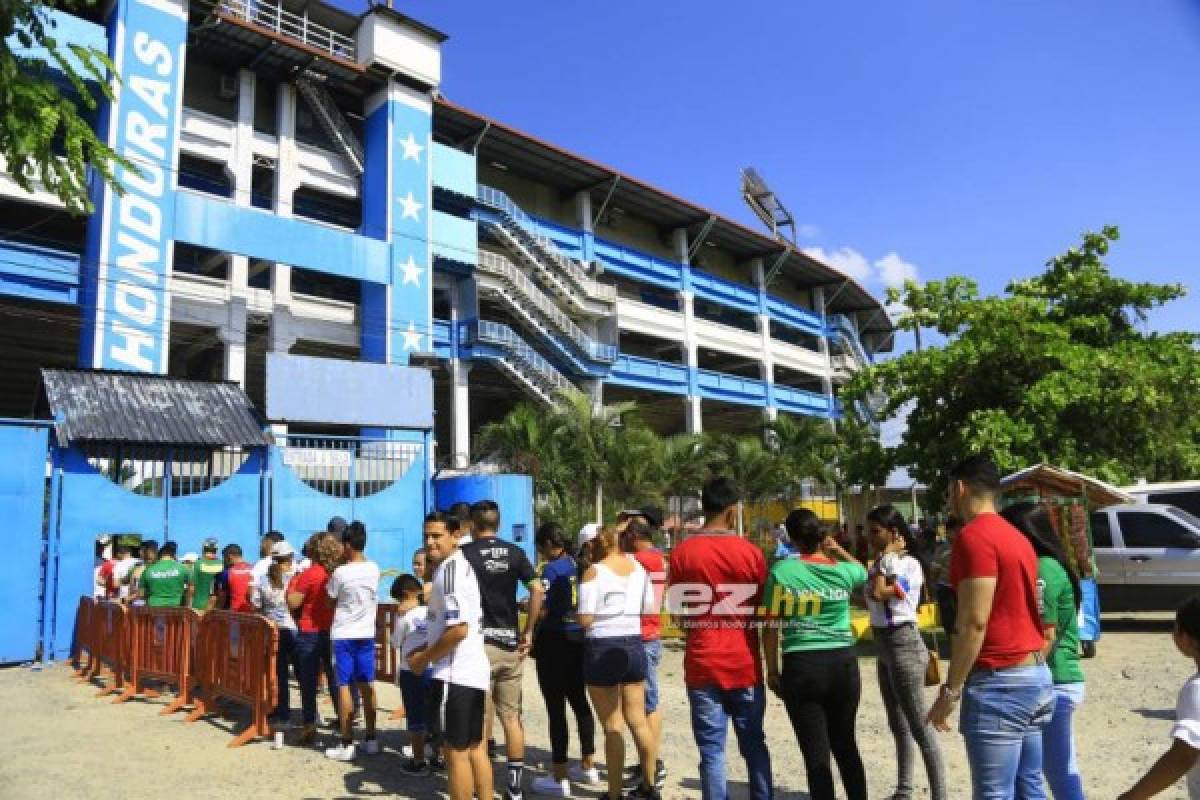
<point x="684" y="464"/>
<point x="803" y="445"/>
<point x="588" y="436"/>
<point x="521" y="442"/>
<point x="758" y="471"/>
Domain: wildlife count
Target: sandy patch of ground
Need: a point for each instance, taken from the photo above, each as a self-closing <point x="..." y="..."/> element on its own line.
<point x="62" y="742"/>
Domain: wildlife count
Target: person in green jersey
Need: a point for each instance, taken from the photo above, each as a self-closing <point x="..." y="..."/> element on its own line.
<point x="807" y="600"/>
<point x="166" y="582"/>
<point x="203" y="575"/>
<point x="1058" y="599"/>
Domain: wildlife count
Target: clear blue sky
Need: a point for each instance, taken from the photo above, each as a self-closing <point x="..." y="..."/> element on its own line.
<point x="975" y="138"/>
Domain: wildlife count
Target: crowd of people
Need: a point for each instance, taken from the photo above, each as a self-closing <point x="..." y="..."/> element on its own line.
<point x="593" y="628"/>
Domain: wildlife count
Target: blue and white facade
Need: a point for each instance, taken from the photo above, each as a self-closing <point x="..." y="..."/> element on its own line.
<point x="300" y="186"/>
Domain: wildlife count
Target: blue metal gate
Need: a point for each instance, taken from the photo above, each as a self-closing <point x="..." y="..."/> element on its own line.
<point x="380" y="481"/>
<point x="23" y="497"/>
<point x="152" y="491"/>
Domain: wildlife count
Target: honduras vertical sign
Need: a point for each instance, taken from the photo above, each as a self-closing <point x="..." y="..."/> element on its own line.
<point x="397" y="205"/>
<point x="128" y="256"/>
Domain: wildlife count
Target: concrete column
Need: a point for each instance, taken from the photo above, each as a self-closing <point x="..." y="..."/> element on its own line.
<point x="286" y="168"/>
<point x="691" y="350"/>
<point x="595" y="390"/>
<point x="461" y="413"/>
<point x="823" y="342"/>
<point x="233" y="337"/>
<point x="763" y="320"/>
<point x="243" y="141"/>
<point x="693" y="418"/>
<point x="283" y="332"/>
<point x="583" y="218"/>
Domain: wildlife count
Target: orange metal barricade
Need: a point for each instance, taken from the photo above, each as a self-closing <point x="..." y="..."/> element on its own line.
<point x="236" y="661"/>
<point x="111" y="637"/>
<point x="385" y="656"/>
<point x="161" y="648"/>
<point x="85" y="641"/>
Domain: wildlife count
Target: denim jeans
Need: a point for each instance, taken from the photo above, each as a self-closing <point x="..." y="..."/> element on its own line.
<point x="1003" y="714"/>
<point x="313" y="654"/>
<point x="1058" y="745"/>
<point x="712" y="710"/>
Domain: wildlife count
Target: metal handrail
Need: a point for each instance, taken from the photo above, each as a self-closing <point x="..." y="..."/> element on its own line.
<point x="275" y="18"/>
<point x="506" y="338"/>
<point x="498" y="200"/>
<point x="501" y="267"/>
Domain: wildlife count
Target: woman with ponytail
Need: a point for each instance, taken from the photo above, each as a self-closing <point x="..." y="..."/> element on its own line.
<point x="1058" y="597"/>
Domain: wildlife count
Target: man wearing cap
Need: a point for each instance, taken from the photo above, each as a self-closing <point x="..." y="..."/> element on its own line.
<point x="204" y="574"/>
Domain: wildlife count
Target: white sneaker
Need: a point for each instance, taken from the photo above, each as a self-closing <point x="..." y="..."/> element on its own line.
<point x="370" y="747"/>
<point x="548" y="787"/>
<point x="406" y="751"/>
<point x="341" y="752"/>
<point x="586" y="777"/>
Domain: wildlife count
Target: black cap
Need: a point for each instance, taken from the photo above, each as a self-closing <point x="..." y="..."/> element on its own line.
<point x="337" y="525"/>
<point x="653" y="515"/>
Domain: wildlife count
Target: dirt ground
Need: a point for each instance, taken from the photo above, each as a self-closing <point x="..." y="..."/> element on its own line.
<point x="64" y="743"/>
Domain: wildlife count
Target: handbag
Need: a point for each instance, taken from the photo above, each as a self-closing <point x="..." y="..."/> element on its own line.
<point x="933" y="668"/>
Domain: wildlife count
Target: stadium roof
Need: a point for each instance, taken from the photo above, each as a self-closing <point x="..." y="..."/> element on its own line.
<point x="533" y="158"/>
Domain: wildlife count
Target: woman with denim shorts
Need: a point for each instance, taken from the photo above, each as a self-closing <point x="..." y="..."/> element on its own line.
<point x="612" y="595"/>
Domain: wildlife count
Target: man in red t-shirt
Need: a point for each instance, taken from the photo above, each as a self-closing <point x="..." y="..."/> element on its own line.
<point x="996" y="667"/>
<point x="231" y="588"/>
<point x="716" y="584"/>
<point x="637" y="529"/>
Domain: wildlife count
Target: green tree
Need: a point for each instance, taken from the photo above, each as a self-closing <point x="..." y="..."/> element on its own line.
<point x="683" y="460"/>
<point x="759" y="472"/>
<point x="1055" y="369"/>
<point x="44" y="136"/>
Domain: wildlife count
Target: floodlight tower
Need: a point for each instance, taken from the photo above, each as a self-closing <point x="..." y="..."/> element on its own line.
<point x="767" y="206"/>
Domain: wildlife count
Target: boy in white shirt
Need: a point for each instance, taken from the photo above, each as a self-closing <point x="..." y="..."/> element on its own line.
<point x="461" y="671"/>
<point x="408" y="636"/>
<point x="1181" y="758"/>
<point x="353" y="591"/>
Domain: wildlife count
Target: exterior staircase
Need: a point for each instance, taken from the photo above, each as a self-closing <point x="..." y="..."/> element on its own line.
<point x="332" y="121"/>
<point x="562" y="275"/>
<point x="496" y="342"/>
<point x="541" y="316"/>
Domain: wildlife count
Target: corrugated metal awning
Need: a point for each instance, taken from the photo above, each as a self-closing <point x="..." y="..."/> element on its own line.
<point x="107" y="406"/>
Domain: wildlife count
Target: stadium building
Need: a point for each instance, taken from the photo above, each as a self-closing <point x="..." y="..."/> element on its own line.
<point x="305" y="188"/>
<point x="302" y="215"/>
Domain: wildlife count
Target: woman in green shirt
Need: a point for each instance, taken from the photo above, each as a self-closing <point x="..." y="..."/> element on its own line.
<point x="807" y="599"/>
<point x="1058" y="598"/>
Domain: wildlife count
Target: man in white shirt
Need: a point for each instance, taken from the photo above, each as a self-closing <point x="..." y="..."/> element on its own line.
<point x="461" y="671"/>
<point x="353" y="591"/>
<point x="259" y="571"/>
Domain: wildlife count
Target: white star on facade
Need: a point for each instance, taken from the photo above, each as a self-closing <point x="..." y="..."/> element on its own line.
<point x="412" y="273"/>
<point x="412" y="150"/>
<point x="412" y="209"/>
<point x="412" y="339"/>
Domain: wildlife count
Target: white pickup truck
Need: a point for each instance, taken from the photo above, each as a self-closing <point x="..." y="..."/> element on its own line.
<point x="1147" y="556"/>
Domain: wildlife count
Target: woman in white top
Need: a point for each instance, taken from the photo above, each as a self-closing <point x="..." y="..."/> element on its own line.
<point x="269" y="596"/>
<point x="614" y="593"/>
<point x="894" y="586"/>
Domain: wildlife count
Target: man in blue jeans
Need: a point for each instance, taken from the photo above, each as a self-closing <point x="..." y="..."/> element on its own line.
<point x="996" y="669"/>
<point x="721" y="664"/>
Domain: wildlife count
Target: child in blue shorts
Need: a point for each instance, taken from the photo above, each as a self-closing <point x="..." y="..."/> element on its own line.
<point x="353" y="587"/>
<point x="409" y="636"/>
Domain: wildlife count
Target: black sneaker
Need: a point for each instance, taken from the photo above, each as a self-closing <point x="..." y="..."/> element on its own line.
<point x="413" y="767"/>
<point x="437" y="764"/>
<point x="643" y="793"/>
<point x="493" y="751"/>
<point x="633" y="776"/>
